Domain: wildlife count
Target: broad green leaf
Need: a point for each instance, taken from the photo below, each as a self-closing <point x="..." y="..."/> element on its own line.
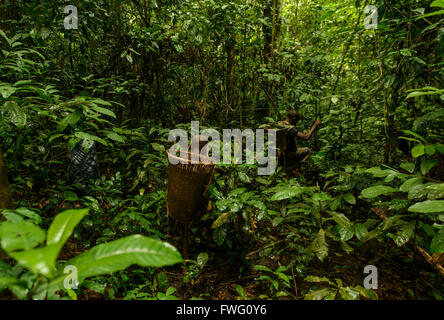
<point x="427" y="165"/>
<point x="345" y="233"/>
<point x="70" y="196"/>
<point x="31" y="215"/>
<point x="360" y="230"/>
<point x="104" y="111"/>
<point x="436" y="13"/>
<point x="408" y="166"/>
<point x="378" y="172"/>
<point x="428" y="206"/>
<point x="202" y="259"/>
<point x="319" y="294"/>
<point x="7" y="91"/>
<point x="349" y="293"/>
<point x="116" y="137"/>
<point x="90" y="137"/>
<point x="20" y="236"/>
<point x="418" y="151"/>
<point x="437" y="3"/>
<point x="119" y="254"/>
<point x="40" y="260"/>
<point x="259" y="267"/>
<point x="409" y="184"/>
<point x="319" y="246"/>
<point x="287" y="193"/>
<point x="243" y="177"/>
<point x="63" y="225"/>
<point x="348" y="197"/>
<point x="415" y="135"/>
<point x="223" y="218"/>
<point x="377" y="191"/>
<point x="321" y="197"/>
<point x="14" y="113"/>
<point x="158" y="147"/>
<point x="6" y="281"/>
<point x="430" y="149"/>
<point x="437" y="244"/>
<point x="404" y="234"/>
<point x="366" y="293"/>
<point x="70" y="120"/>
<point x="420" y="94"/>
<point x="418" y="191"/>
<point x="317" y="279"/>
<point x="435" y="191"/>
<point x="277" y="221"/>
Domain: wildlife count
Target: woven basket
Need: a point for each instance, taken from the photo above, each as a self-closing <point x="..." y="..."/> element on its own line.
<point x="188" y="185"/>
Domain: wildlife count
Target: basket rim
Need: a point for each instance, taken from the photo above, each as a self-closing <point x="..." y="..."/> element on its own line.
<point x="209" y="160"/>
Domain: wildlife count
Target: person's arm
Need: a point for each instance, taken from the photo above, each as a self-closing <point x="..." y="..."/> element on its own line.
<point x="307" y="136"/>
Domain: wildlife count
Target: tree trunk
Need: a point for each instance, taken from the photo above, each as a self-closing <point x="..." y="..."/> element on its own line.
<point x="5" y="193"/>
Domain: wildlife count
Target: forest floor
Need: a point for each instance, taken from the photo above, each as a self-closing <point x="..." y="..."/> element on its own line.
<point x="401" y="274"/>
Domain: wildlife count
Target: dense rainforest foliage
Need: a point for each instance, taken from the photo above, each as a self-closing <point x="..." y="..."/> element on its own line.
<point x="125" y="73"/>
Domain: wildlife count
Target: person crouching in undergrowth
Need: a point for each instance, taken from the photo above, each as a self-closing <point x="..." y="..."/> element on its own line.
<point x="294" y="155"/>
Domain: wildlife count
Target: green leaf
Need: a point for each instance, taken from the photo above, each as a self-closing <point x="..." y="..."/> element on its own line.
<point x="202" y="259"/>
<point x="428" y="206"/>
<point x="259" y="267"/>
<point x="348" y="197"/>
<point x="366" y="293"/>
<point x="317" y="279"/>
<point x="437" y="244"/>
<point x="20" y="236"/>
<point x="319" y="294"/>
<point x="116" y="137"/>
<point x="7" y="91"/>
<point x="415" y="135"/>
<point x="427" y="165"/>
<point x="89" y="137"/>
<point x="40" y="260"/>
<point x="119" y="254"/>
<point x="430" y="149"/>
<point x="418" y="191"/>
<point x="158" y="147"/>
<point x="14" y="113"/>
<point x="277" y="221"/>
<point x="319" y="246"/>
<point x="360" y="230"/>
<point x="406" y="52"/>
<point x="409" y="184"/>
<point x="418" y="151"/>
<point x="321" y="197"/>
<point x="287" y="193"/>
<point x="377" y="191"/>
<point x="7" y="281"/>
<point x="243" y="177"/>
<point x="63" y="225"/>
<point x="70" y="196"/>
<point x="349" y="293"/>
<point x="408" y="166"/>
<point x="223" y="218"/>
<point x="25" y="212"/>
<point x="436" y="13"/>
<point x="104" y="111"/>
<point x="437" y="3"/>
<point x="404" y="233"/>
